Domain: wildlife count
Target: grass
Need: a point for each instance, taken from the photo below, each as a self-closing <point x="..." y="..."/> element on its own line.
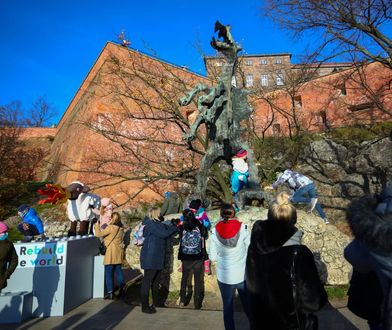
<point x="337" y="291"/>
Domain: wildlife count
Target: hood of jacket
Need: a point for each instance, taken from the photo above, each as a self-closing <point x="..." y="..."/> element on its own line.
<point x="269" y="235"/>
<point x="228" y="232"/>
<point x="370" y="228"/>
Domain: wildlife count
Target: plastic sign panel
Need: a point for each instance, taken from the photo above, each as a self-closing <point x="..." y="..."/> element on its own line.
<point x="41" y="254"/>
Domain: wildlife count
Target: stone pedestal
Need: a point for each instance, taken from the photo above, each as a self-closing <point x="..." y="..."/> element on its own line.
<point x="59" y="272"/>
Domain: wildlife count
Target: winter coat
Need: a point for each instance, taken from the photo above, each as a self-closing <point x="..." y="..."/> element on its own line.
<point x="32" y="218"/>
<point x="371" y="250"/>
<point x="239" y="177"/>
<point x="171" y="205"/>
<point x="294" y="180"/>
<point x="270" y="285"/>
<point x="228" y="246"/>
<point x="203" y="253"/>
<point x="155" y="233"/>
<point x="113" y="240"/>
<point x="202" y="217"/>
<point x="8" y="261"/>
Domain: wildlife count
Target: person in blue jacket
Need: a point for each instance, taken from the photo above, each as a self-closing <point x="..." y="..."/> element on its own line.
<point x="152" y="256"/>
<point x="31" y="225"/>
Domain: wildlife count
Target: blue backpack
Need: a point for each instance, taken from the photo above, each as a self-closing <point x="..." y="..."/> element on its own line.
<point x="191" y="241"/>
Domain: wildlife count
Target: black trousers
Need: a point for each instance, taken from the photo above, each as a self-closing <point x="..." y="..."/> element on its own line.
<point x="32" y="231"/>
<point x="150" y="281"/>
<point x="197" y="268"/>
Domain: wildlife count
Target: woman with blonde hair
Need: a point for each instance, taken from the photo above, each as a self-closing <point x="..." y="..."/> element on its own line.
<point x="112" y="235"/>
<point x="283" y="285"/>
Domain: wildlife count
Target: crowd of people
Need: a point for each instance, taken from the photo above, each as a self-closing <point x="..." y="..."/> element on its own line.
<point x="274" y="274"/>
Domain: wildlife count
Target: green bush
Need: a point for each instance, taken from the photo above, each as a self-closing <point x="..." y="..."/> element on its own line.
<point x="360" y="133"/>
<point x="14" y="235"/>
<point x="13" y="195"/>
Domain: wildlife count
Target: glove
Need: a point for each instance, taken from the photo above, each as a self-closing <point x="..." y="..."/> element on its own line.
<point x="241" y="177"/>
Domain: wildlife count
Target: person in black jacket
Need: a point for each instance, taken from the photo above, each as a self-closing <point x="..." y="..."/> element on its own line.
<point x="8" y="256"/>
<point x="192" y="253"/>
<point x="282" y="281"/>
<point x="370" y="254"/>
<point x="152" y="256"/>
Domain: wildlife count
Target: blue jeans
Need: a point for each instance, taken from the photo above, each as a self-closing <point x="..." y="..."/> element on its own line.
<point x="109" y="276"/>
<point x="305" y="194"/>
<point x="227" y="292"/>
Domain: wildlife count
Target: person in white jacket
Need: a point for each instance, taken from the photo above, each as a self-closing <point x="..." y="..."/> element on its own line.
<point x="228" y="247"/>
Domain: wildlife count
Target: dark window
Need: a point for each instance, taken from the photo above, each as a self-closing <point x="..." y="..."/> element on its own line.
<point x="361" y="107"/>
<point x="342" y="89"/>
<point x="276" y="129"/>
<point x="298" y="101"/>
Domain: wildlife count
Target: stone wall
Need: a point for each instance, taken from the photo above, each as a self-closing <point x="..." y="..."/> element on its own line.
<point x="326" y="242"/>
<point x="345" y="172"/>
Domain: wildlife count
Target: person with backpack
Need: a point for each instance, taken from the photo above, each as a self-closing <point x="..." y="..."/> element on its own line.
<point x="196" y="206"/>
<point x="229" y="243"/>
<point x="192" y="253"/>
<point x="282" y="281"/>
<point x="152" y="256"/>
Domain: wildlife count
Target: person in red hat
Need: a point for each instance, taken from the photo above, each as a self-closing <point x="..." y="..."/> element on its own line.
<point x="8" y="256"/>
<point x="239" y="177"/>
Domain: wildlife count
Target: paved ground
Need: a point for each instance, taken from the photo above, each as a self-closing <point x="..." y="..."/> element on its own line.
<point x="103" y="314"/>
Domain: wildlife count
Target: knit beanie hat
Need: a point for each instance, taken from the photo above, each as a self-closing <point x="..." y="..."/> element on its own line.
<point x="23" y="209"/>
<point x="105" y="201"/>
<point x="195" y="204"/>
<point x="242" y="153"/>
<point x="3" y="227"/>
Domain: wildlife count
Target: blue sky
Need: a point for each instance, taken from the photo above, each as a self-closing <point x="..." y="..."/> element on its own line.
<point x="47" y="47"/>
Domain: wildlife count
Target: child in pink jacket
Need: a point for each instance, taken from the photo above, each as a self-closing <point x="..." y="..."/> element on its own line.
<point x="104" y="212"/>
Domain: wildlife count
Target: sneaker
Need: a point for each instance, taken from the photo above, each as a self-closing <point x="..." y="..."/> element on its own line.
<point x="180" y="303"/>
<point x="312" y="204"/>
<point x="27" y="239"/>
<point x="148" y="310"/>
<point x="109" y="296"/>
<point x="326" y="221"/>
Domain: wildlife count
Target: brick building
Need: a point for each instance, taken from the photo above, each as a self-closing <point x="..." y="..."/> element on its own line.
<point x="267" y="71"/>
<point x="125" y="114"/>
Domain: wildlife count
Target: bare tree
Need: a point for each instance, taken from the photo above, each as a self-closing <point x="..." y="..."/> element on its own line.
<point x="144" y="126"/>
<point x="40" y="113"/>
<point x="19" y="162"/>
<point x="356" y="27"/>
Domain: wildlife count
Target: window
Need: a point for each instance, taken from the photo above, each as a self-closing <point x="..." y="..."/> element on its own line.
<point x="264" y="61"/>
<point x="278" y="61"/>
<point x="249" y="62"/>
<point x="276" y="129"/>
<point x="362" y="107"/>
<point x="298" y="101"/>
<point x="342" y="89"/>
<point x="249" y="80"/>
<point x="279" y="79"/>
<point x="233" y="81"/>
<point x="264" y="80"/>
